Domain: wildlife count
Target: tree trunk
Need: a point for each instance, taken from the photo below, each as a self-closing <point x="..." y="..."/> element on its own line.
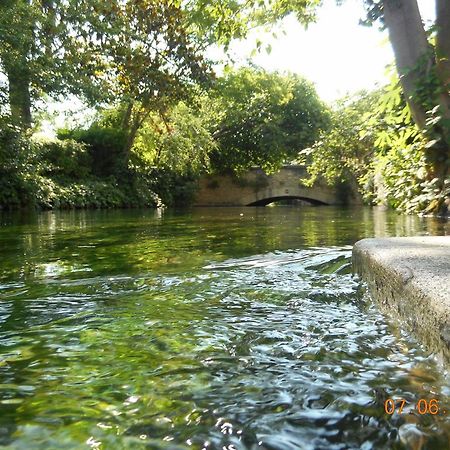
<point x="127" y="115"/>
<point x="414" y="60"/>
<point x="443" y="63"/>
<point x="19" y="96"/>
<point x="132" y="133"/>
<point x="411" y="49"/>
<point x="133" y="129"/>
<point x="15" y="60"/>
<point x="443" y="41"/>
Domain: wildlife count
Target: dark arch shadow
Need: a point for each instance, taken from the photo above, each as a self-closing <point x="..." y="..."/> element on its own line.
<point x="266" y="201"/>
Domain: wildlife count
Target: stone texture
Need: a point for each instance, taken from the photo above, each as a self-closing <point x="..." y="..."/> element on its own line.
<point x="256" y="186"/>
<point x="410" y="279"/>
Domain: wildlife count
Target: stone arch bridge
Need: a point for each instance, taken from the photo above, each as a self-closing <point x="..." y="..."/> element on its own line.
<point x="256" y="188"/>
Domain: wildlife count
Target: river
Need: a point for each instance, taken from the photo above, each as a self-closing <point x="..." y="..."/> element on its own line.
<point x="225" y="328"/>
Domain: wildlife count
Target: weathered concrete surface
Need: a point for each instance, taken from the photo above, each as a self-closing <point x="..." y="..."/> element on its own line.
<point x="410" y="279"/>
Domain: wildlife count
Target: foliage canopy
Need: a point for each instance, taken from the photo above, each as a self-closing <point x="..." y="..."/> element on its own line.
<point x="264" y="119"/>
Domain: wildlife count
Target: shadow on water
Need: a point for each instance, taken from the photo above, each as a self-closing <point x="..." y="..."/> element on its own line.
<point x="221" y="328"/>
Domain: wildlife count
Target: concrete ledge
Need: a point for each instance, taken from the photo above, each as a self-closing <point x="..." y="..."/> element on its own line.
<point x="410" y="279"/>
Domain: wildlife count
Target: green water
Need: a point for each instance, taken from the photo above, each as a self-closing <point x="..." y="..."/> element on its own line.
<point x="209" y="329"/>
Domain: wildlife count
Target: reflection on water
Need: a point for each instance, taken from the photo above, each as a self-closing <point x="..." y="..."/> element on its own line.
<point x="214" y="328"/>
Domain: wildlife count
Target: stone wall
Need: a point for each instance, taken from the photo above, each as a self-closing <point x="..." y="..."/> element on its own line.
<point x="257" y="187"/>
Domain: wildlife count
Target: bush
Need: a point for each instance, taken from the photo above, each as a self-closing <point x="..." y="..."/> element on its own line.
<point x="174" y="189"/>
<point x="17" y="159"/>
<point x="57" y="174"/>
<point x="65" y="159"/>
<point x="406" y="185"/>
<point x="140" y="193"/>
<point x="95" y="193"/>
<point x="105" y="147"/>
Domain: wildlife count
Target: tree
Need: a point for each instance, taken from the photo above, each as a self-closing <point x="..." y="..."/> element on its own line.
<point x="264" y="119"/>
<point x="443" y="40"/>
<point x="424" y="71"/>
<point x="181" y="143"/>
<point x="44" y="49"/>
<point x="344" y="152"/>
<point x="221" y="21"/>
<point x="67" y="46"/>
<point x="154" y="59"/>
<point x="137" y="52"/>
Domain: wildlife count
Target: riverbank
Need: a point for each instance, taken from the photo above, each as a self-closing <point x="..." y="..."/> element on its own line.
<point x="409" y="278"/>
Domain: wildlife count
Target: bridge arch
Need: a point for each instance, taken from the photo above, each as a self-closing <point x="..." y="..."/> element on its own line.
<point x="255" y="188"/>
<point x="268" y="200"/>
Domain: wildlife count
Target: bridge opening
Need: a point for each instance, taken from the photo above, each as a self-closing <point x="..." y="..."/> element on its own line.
<point x="285" y="199"/>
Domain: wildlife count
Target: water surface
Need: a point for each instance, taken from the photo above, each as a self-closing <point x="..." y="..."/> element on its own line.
<point x="209" y="329"/>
